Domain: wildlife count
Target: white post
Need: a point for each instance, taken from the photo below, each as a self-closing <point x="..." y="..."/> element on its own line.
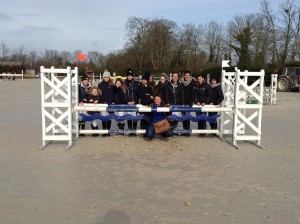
<point x="273" y="88"/>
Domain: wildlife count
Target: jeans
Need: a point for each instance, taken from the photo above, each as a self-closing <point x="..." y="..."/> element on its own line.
<point x="186" y="123"/>
<point x="150" y="132"/>
<point x="213" y="125"/>
<point x="202" y="123"/>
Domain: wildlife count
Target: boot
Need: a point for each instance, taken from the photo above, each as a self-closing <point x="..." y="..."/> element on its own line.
<point x="134" y="126"/>
<point x="108" y="124"/>
<point x="129" y="123"/>
<point x="213" y="125"/>
<point x="121" y="127"/>
<point x="81" y="127"/>
<point x="94" y="128"/>
<point x="186" y="126"/>
<point x="104" y="127"/>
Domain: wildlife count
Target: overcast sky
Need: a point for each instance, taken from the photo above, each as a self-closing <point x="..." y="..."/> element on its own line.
<point x="99" y="25"/>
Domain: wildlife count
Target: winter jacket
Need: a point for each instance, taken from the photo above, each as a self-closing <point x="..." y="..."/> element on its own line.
<point x="217" y="94"/>
<point x="131" y="90"/>
<point x="91" y="99"/>
<point x="174" y="94"/>
<point x="107" y="92"/>
<point x="160" y="89"/>
<point x="202" y="93"/>
<point x="119" y="96"/>
<point x="83" y="93"/>
<point x="188" y="87"/>
<point x="144" y="93"/>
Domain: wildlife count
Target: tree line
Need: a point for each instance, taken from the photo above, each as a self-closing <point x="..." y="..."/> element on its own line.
<point x="265" y="40"/>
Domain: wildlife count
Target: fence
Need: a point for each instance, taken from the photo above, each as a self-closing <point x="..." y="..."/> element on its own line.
<point x="239" y="120"/>
<point x="12" y="75"/>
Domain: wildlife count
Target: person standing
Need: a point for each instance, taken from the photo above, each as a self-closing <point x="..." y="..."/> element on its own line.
<point x="188" y="83"/>
<point x="131" y="95"/>
<point x="145" y="96"/>
<point x="152" y="82"/>
<point x="83" y="90"/>
<point x="217" y="98"/>
<point x="160" y="88"/>
<point x="202" y="95"/>
<point x="119" y="91"/>
<point x="106" y="87"/>
<point x="174" y="95"/>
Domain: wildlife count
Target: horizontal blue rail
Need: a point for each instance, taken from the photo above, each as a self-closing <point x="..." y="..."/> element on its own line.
<point x="202" y="117"/>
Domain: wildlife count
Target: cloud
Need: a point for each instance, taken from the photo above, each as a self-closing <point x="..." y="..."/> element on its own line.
<point x="29" y="14"/>
<point x="94" y="43"/>
<point x="31" y="29"/>
<point x="5" y="17"/>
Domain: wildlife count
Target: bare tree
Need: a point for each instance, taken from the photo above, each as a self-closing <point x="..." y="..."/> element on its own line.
<point x="295" y="51"/>
<point x="4" y="50"/>
<point x="188" y="53"/>
<point x="269" y="20"/>
<point x="159" y="40"/>
<point x="241" y="29"/>
<point x="289" y="12"/>
<point x="66" y="57"/>
<point x="136" y="33"/>
<point x="260" y="42"/>
<point x="213" y="38"/>
<point x="31" y="58"/>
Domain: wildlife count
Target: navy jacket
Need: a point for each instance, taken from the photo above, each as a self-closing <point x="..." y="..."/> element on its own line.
<point x="82" y="93"/>
<point x="217" y="95"/>
<point x="107" y="92"/>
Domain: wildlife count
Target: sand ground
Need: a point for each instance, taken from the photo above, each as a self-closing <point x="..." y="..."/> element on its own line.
<point x="127" y="180"/>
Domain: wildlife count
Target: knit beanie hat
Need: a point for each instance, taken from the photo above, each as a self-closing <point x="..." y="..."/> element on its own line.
<point x="129" y="72"/>
<point x="146" y="76"/>
<point x="84" y="77"/>
<point x="106" y="74"/>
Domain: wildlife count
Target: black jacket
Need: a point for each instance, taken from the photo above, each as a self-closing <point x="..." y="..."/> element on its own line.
<point x="188" y="91"/>
<point x="202" y="93"/>
<point x="131" y="90"/>
<point x="93" y="99"/>
<point x="217" y="95"/>
<point x="174" y="94"/>
<point x="160" y="89"/>
<point x="119" y="96"/>
<point x="144" y="93"/>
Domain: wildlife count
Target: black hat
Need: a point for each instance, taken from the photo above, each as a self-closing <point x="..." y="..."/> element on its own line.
<point x="129" y="72"/>
<point x="146" y="76"/>
<point x="84" y="77"/>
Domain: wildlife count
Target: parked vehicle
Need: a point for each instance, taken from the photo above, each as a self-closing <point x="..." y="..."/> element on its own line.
<point x="289" y="79"/>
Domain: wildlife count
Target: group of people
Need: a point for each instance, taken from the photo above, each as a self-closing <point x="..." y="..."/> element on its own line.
<point x="186" y="90"/>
